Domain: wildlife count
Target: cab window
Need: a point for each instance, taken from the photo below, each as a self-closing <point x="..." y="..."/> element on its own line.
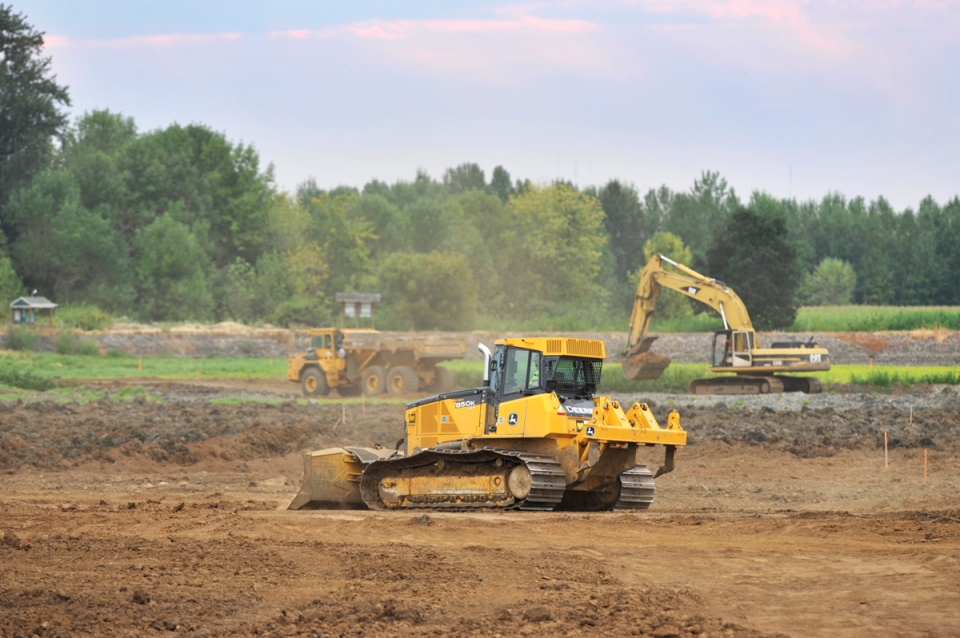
<point x="320" y="342"/>
<point x="521" y="371"/>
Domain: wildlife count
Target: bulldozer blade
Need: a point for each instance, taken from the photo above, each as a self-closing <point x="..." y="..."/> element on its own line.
<point x="644" y="365"/>
<point x="331" y="478"/>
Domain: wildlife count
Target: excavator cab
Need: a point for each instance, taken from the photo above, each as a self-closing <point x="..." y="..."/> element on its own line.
<point x="732" y="348"/>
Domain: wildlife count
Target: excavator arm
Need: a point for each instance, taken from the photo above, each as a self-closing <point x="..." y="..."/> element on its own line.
<point x="636" y="360"/>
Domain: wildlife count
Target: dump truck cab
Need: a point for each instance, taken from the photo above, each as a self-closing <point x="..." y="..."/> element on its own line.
<point x="319" y="368"/>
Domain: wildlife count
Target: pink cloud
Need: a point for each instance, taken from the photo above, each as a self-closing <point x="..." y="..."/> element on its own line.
<point x="166" y="39"/>
<point x="788" y="18"/>
<point x="397" y="29"/>
<point x="525" y="23"/>
<point x="773" y="10"/>
<point x="296" y="34"/>
<point x="498" y="47"/>
<point x="51" y="41"/>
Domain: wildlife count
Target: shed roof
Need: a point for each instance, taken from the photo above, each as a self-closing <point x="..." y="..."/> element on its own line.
<point x="33" y="302"/>
<point x="358" y="297"/>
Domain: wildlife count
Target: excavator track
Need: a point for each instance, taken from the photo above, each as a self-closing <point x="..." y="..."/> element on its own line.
<point x="636" y="489"/>
<point x="756" y="384"/>
<point x="454" y="479"/>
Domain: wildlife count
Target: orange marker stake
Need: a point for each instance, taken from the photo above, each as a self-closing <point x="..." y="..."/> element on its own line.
<point x="886" y="458"/>
<point x="140" y="364"/>
<point x="924" y="466"/>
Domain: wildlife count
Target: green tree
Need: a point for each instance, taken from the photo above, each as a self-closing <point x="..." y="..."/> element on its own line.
<point x="697" y="215"/>
<point x="465" y="177"/>
<point x="30" y="103"/>
<point x="10" y="285"/>
<point x="91" y="153"/>
<point x="171" y="274"/>
<point x="214" y="187"/>
<point x="428" y="291"/>
<point x="390" y="228"/>
<point x="340" y="241"/>
<point x="500" y="184"/>
<point x="670" y="305"/>
<point x="551" y="250"/>
<point x="627" y="226"/>
<point x="64" y="249"/>
<point x="752" y="253"/>
<point x="831" y="284"/>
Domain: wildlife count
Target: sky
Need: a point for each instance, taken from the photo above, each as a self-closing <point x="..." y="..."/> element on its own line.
<point x="797" y="98"/>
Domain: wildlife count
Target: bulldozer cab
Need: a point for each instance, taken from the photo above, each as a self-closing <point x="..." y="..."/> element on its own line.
<point x="517" y="372"/>
<point x="732" y="348"/>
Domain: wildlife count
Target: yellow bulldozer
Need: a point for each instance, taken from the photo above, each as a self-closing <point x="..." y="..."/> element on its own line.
<point x="736" y="348"/>
<point x="534" y="436"/>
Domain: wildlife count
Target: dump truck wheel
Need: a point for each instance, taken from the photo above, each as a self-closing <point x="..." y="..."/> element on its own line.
<point x="403" y="379"/>
<point x="374" y="380"/>
<point x="443" y="382"/>
<point x="314" y="383"/>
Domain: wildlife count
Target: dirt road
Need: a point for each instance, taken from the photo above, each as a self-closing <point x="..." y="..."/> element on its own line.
<point x="144" y="518"/>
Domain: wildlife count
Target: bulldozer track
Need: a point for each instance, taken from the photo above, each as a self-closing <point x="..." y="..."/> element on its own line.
<point x="636" y="489"/>
<point x="546" y="490"/>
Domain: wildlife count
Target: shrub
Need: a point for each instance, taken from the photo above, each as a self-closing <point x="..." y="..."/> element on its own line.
<point x="89" y="347"/>
<point x="66" y="343"/>
<point x="17" y="378"/>
<point x="831" y="284"/>
<point x="83" y="317"/>
<point x="20" y="339"/>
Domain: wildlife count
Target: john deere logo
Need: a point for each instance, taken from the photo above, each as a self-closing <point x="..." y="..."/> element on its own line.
<point x="590" y="430"/>
<point x="513" y="419"/>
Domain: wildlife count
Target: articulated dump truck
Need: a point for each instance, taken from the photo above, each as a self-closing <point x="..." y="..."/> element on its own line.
<point x="534" y="437"/>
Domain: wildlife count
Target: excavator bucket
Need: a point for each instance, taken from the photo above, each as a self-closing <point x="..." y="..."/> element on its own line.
<point x="641" y="364"/>
<point x="331" y="477"/>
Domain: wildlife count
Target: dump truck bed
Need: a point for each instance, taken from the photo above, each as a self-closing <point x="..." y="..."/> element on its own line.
<point x="431" y="346"/>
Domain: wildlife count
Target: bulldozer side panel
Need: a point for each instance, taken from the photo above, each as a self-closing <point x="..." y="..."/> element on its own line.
<point x="461" y="416"/>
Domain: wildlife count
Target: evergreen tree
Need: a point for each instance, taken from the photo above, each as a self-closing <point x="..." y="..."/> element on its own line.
<point x="752" y="254"/>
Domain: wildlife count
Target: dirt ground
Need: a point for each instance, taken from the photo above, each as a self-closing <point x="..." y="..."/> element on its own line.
<point x="167" y="517"/>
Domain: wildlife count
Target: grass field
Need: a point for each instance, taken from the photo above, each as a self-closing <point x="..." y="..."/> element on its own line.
<point x="39" y="371"/>
<point x="115" y="366"/>
<point x="836" y="319"/>
<point x="875" y="318"/>
<point x="678" y="376"/>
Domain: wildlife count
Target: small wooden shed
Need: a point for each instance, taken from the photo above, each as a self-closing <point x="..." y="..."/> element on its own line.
<point x="358" y="305"/>
<point x="25" y="310"/>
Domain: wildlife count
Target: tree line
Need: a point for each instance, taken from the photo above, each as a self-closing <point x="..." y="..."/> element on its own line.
<point x="181" y="223"/>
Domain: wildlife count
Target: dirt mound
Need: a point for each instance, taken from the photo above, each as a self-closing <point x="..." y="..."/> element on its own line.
<point x="821" y="432"/>
<point x="55" y="435"/>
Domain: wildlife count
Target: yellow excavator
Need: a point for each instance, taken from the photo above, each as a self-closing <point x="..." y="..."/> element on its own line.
<point x="534" y="436"/>
<point x="736" y="348"/>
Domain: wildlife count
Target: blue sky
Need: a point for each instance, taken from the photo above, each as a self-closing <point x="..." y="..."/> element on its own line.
<point x="798" y="97"/>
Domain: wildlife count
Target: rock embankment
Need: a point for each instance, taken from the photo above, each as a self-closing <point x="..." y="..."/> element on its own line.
<point x="919" y="347"/>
